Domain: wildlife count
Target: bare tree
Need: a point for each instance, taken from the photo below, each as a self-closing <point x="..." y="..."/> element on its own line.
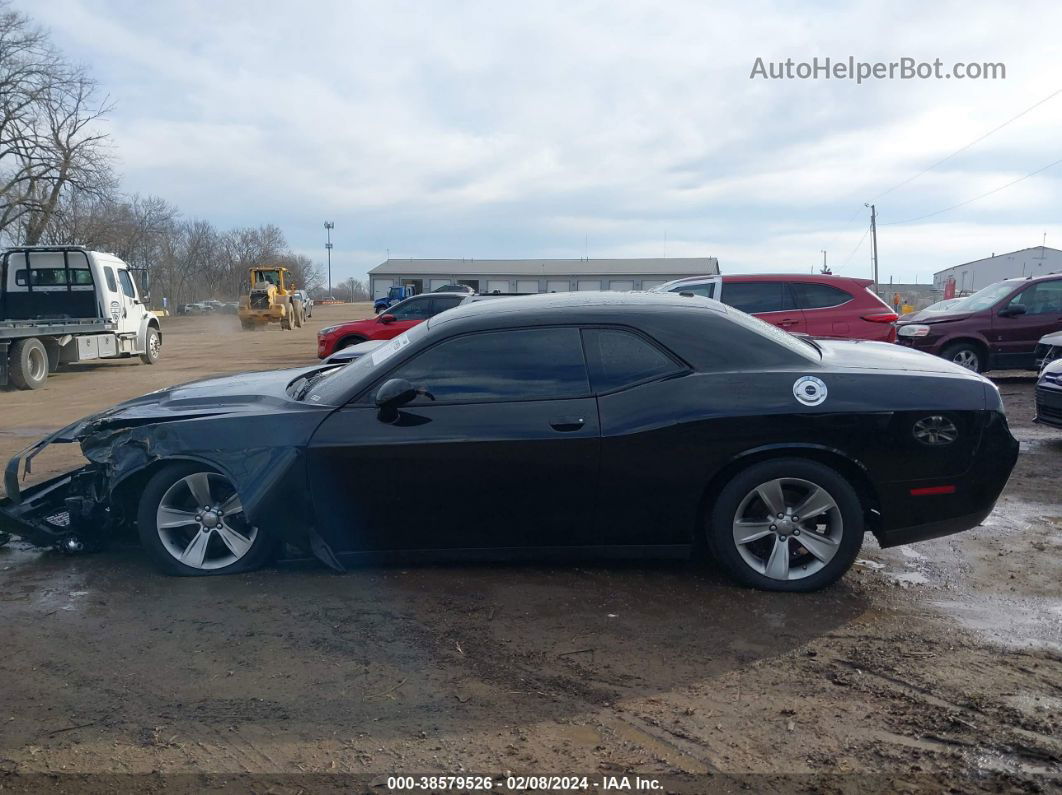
<point x="51" y="143"/>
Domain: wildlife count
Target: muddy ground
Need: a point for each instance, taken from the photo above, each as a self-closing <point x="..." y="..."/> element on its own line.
<point x="931" y="667"/>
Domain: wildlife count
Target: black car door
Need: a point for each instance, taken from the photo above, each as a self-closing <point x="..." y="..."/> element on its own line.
<point x="506" y="454"/>
<point x="646" y="483"/>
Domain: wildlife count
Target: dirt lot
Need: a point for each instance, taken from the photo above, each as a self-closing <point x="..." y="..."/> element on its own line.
<point x="930" y="667"/>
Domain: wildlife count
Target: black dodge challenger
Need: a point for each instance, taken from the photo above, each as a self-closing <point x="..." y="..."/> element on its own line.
<point x="626" y="424"/>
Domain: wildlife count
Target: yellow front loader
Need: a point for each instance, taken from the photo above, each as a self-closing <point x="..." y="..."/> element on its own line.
<point x="270" y="299"/>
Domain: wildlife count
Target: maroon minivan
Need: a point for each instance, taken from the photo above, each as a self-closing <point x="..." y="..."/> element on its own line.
<point x="996" y="328"/>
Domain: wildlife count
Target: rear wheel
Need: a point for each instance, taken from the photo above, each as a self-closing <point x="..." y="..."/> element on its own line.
<point x="350" y="342"/>
<point x="192" y="523"/>
<point x="965" y="354"/>
<point x="28" y="363"/>
<point x="786" y="525"/>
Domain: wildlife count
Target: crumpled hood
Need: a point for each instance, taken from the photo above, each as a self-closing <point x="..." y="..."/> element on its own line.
<point x="258" y="391"/>
<point x="867" y="355"/>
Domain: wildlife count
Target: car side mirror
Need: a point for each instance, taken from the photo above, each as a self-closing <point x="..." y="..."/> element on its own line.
<point x="388" y="318"/>
<point x="1011" y="311"/>
<point x="394" y="393"/>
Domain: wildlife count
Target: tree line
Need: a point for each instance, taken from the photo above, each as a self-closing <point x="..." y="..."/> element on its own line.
<point x="58" y="184"/>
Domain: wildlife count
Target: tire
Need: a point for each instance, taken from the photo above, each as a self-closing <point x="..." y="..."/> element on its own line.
<point x="28" y="363"/>
<point x="837" y="530"/>
<point x="247" y="325"/>
<point x="965" y="354"/>
<point x="230" y="546"/>
<point x="152" y="346"/>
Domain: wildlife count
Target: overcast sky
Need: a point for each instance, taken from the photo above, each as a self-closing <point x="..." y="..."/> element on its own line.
<point x="553" y="129"/>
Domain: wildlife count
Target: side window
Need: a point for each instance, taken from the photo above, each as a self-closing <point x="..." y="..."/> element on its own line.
<point x="756" y="297"/>
<point x="1043" y="298"/>
<point x="818" y="296"/>
<point x="411" y="309"/>
<point x="127" y="283"/>
<point x="618" y="359"/>
<point x="524" y="364"/>
<point x="443" y="303"/>
<point x="108" y="274"/>
<point x="706" y="290"/>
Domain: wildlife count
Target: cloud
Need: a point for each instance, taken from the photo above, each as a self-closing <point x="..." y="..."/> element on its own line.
<point x="488" y="129"/>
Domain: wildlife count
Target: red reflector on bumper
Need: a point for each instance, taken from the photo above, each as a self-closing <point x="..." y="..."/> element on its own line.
<point x="928" y="490"/>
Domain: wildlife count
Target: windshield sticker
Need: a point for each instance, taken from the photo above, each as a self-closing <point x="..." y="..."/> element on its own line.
<point x="385" y="352"/>
<point x="809" y="390"/>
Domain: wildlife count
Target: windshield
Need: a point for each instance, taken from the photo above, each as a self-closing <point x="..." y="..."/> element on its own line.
<point x="345" y="380"/>
<point x="987" y="297"/>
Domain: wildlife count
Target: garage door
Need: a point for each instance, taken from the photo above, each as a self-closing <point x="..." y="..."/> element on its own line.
<point x="621" y="286"/>
<point x="649" y="284"/>
<point x="527" y="286"/>
<point x="589" y="285"/>
<point x="502" y="286"/>
<point x="437" y="283"/>
<point x="558" y="286"/>
<point x="381" y="286"/>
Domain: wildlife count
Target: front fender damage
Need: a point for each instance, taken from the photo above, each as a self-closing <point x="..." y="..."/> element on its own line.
<point x="80" y="510"/>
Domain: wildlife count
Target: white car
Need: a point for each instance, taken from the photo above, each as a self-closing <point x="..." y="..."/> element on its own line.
<point x="1048" y="349"/>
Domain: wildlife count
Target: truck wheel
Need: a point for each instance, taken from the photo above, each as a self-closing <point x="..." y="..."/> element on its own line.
<point x="152" y="346"/>
<point x="28" y="362"/>
<point x="247" y="325"/>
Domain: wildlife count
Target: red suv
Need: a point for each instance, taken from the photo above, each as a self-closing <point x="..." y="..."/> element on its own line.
<point x="996" y="328"/>
<point x="392" y="322"/>
<point x="820" y="306"/>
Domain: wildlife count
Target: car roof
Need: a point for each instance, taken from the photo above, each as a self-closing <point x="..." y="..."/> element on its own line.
<point x="590" y="306"/>
<point x="814" y="278"/>
<point x="1044" y="277"/>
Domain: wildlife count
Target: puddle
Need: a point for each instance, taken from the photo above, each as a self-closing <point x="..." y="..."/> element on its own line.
<point x="1016" y="623"/>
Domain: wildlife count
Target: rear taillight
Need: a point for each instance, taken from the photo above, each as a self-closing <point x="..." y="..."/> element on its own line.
<point x="882" y="317"/>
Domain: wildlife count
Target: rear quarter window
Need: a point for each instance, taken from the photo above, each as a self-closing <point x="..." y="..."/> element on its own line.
<point x="618" y="359"/>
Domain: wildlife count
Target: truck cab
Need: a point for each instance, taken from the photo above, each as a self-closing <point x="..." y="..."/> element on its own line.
<point x="66" y="304"/>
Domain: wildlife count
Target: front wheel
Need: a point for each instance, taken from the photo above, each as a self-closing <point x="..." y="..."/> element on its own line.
<point x="966" y="355"/>
<point x="152" y="346"/>
<point x="786" y="525"/>
<point x="192" y="523"/>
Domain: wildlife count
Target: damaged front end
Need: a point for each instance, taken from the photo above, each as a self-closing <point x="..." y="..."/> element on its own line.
<point x="69" y="512"/>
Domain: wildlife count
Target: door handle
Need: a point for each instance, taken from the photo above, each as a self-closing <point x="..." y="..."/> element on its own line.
<point x="787" y="322"/>
<point x="565" y="424"/>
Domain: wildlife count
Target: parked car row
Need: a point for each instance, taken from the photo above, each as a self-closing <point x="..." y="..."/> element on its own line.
<point x="623" y="424"/>
<point x="208" y="308"/>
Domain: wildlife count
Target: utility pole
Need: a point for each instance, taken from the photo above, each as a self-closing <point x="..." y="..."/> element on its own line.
<point x="874" y="241"/>
<point x="329" y="226"/>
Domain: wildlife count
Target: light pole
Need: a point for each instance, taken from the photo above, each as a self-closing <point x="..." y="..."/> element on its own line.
<point x="329" y="226"/>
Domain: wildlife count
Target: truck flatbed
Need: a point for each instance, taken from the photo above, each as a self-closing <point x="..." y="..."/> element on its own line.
<point x="58" y="327"/>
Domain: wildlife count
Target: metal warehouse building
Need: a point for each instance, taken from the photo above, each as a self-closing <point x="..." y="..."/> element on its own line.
<point x="972" y="276"/>
<point x="536" y="275"/>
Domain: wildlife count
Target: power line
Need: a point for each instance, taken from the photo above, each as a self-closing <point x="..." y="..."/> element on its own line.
<point x="975" y="198"/>
<point x="967" y="146"/>
<point x="852" y="253"/>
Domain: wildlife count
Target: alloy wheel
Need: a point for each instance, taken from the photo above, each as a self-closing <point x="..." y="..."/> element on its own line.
<point x="200" y="522"/>
<point x="787" y="528"/>
<point x="966" y="358"/>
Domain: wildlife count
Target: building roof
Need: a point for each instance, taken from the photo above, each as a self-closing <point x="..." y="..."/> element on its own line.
<point x="1042" y="249"/>
<point x="670" y="266"/>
